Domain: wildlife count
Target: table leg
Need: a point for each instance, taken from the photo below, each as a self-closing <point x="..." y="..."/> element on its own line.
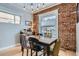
<point x="48" y="50"/>
<point x="31" y="52"/>
<point x="43" y="52"/>
<point x="22" y="49"/>
<point x="36" y="53"/>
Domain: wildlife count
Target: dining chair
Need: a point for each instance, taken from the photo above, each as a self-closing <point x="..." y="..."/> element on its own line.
<point x="56" y="48"/>
<point x="35" y="46"/>
<point x="23" y="43"/>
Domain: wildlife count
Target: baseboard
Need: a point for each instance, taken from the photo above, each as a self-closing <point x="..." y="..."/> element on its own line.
<point x="77" y="53"/>
<point x="4" y="48"/>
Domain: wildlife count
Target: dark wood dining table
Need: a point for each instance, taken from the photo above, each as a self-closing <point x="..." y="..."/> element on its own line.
<point x="47" y="42"/>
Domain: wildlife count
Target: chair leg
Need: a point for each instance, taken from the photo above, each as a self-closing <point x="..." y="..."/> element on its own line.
<point x="22" y="49"/>
<point x="27" y="52"/>
<point x="44" y="52"/>
<point x="48" y="51"/>
<point x="36" y="53"/>
<point x="31" y="52"/>
<point x="22" y="53"/>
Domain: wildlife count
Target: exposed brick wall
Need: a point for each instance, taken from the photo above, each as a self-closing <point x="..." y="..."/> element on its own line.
<point x="67" y="25"/>
<point x="67" y="19"/>
<point x="35" y="23"/>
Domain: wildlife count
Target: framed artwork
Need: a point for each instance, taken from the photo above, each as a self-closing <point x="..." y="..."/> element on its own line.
<point x="28" y="23"/>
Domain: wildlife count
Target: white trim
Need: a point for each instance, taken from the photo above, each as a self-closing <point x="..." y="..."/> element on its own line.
<point x="4" y="48"/>
<point x="77" y="39"/>
<point x="50" y="12"/>
<point x="77" y="53"/>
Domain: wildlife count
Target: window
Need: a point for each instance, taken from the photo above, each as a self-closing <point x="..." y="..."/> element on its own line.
<point x="9" y="18"/>
<point x="17" y="19"/>
<point x="48" y="24"/>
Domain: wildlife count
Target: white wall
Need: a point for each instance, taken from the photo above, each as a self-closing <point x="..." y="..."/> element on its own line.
<point x="9" y="33"/>
<point x="77" y="39"/>
<point x="26" y="17"/>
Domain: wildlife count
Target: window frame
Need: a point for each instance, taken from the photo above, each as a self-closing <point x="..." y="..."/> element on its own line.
<point x="10" y="19"/>
<point x="15" y="20"/>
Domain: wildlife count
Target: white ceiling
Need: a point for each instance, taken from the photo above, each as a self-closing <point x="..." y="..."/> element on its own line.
<point x="34" y="6"/>
<point x="27" y="7"/>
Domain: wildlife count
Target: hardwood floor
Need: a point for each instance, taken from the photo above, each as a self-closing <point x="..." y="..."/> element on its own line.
<point x="17" y="52"/>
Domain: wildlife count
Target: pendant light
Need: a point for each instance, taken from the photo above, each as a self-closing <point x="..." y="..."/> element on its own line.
<point x="24" y="7"/>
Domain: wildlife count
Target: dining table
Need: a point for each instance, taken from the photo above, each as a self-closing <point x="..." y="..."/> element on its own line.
<point x="45" y="41"/>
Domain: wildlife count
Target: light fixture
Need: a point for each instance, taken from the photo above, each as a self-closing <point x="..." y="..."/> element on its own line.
<point x="31" y="5"/>
<point x="32" y="9"/>
<point x="24" y="7"/>
<point x="36" y="6"/>
<point x="43" y="4"/>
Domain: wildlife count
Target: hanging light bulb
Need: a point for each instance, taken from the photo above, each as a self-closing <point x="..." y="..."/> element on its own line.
<point x="31" y="6"/>
<point x="37" y="6"/>
<point x="24" y="7"/>
<point x="32" y="9"/>
<point x="43" y="4"/>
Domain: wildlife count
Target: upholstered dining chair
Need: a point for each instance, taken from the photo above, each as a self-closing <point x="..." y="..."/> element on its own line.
<point x="35" y="46"/>
<point x="56" y="48"/>
<point x="23" y="43"/>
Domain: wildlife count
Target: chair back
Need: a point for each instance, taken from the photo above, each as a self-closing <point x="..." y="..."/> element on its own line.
<point x="56" y="48"/>
<point x="23" y="40"/>
<point x="33" y="42"/>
